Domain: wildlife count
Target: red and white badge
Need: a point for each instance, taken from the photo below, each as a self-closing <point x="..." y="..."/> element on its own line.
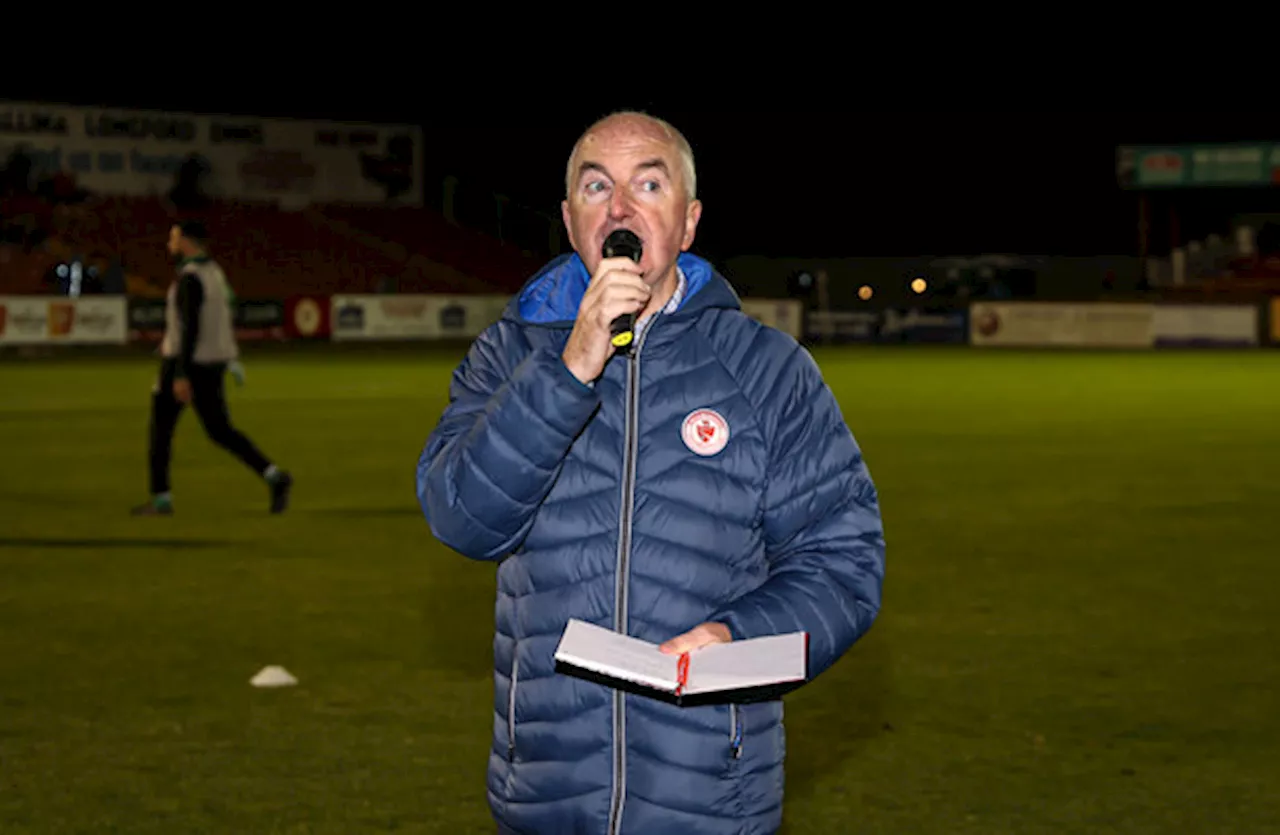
<point x="705" y="431"/>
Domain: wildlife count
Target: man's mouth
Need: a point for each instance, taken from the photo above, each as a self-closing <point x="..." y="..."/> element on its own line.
<point x="627" y="229"/>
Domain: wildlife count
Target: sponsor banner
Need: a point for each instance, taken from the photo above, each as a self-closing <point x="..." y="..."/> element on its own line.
<point x="255" y="319"/>
<point x="923" y="325"/>
<point x="913" y="324"/>
<point x="1205" y="325"/>
<point x="1068" y="325"/>
<point x="307" y="317"/>
<point x="786" y="315"/>
<point x="1236" y="164"/>
<point x="843" y="325"/>
<point x="139" y="152"/>
<point x="258" y="319"/>
<point x="45" y="320"/>
<point x="413" y="316"/>
<point x="146" y="319"/>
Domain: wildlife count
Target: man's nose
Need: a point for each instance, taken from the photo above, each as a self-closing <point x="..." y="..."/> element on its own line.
<point x="620" y="205"/>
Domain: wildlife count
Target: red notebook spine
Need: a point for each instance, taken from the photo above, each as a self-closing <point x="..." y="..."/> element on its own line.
<point x="682" y="673"/>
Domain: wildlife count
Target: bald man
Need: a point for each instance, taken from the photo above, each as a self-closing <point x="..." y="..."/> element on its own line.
<point x="698" y="486"/>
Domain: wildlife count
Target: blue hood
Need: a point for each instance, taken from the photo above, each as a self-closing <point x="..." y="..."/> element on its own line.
<point x="551" y="297"/>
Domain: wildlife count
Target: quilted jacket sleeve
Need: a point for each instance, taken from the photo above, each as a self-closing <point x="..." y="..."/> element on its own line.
<point x="491" y="460"/>
<point x="824" y="536"/>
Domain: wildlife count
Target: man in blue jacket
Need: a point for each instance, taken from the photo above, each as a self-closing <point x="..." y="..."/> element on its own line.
<point x="699" y="487"/>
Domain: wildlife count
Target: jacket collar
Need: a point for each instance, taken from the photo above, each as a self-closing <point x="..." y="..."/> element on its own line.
<point x="550" y="298"/>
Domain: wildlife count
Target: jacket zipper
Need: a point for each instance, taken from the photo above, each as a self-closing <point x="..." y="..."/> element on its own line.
<point x="735" y="732"/>
<point x="621" y="618"/>
<point x="511" y="708"/>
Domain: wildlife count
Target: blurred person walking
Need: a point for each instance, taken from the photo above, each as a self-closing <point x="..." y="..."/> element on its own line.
<point x="198" y="348"/>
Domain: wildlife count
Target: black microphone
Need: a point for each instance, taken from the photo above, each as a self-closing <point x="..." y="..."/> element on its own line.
<point x="624" y="243"/>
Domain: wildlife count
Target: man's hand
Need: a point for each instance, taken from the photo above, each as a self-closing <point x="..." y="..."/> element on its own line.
<point x="237" y="371"/>
<point x="182" y="390"/>
<point x="698" y="637"/>
<point x="615" y="289"/>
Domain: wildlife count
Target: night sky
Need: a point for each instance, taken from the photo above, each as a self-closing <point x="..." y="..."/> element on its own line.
<point x="832" y="183"/>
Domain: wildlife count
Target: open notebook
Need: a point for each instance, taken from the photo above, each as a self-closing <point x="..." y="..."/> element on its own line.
<point x="740" y="671"/>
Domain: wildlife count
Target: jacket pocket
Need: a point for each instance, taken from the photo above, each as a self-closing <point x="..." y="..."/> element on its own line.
<point x="736" y="732"/>
<point x="511" y="708"/>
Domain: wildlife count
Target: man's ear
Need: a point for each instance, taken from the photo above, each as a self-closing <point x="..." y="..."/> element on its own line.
<point x="691" y="217"/>
<point x="568" y="225"/>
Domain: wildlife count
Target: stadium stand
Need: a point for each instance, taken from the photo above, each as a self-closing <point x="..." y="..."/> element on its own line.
<point x="270" y="252"/>
<point x="22" y="273"/>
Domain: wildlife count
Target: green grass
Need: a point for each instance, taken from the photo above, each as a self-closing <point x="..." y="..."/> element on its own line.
<point x="1078" y="629"/>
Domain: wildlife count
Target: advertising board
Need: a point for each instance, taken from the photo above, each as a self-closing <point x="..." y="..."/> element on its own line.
<point x="1234" y="164"/>
<point x="413" y="317"/>
<point x="786" y="315"/>
<point x="255" y="319"/>
<point x="1204" y="326"/>
<point x="890" y="325"/>
<point x="307" y="317"/>
<point x="119" y="151"/>
<point x="53" y="320"/>
<point x="1048" y="324"/>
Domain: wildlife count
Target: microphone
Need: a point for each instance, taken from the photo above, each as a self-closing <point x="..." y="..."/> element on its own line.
<point x="622" y="242"/>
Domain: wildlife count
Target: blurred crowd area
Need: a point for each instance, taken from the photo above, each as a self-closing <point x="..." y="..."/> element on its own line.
<point x="117" y="243"/>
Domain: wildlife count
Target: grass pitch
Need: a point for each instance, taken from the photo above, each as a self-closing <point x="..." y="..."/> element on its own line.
<point x="1078" y="631"/>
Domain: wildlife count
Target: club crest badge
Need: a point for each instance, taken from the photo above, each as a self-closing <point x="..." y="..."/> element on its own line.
<point x="705" y="432"/>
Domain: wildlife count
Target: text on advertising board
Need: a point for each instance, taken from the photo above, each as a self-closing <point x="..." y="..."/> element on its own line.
<point x="114" y="151"/>
<point x="1052" y="324"/>
<point x="39" y="320"/>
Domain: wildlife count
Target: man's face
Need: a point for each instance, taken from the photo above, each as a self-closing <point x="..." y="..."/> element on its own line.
<point x="175" y="242"/>
<point x="627" y="175"/>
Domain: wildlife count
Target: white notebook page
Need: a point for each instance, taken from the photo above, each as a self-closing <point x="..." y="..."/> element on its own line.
<point x="621" y="656"/>
<point x="761" y="661"/>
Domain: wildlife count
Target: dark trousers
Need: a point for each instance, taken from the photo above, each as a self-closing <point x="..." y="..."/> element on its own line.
<point x="208" y="397"/>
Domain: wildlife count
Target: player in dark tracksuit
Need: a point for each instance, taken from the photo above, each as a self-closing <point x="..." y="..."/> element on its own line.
<point x="198" y="346"/>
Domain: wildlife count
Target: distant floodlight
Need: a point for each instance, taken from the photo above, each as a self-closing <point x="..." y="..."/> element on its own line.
<point x="919" y="285"/>
<point x="864" y="292"/>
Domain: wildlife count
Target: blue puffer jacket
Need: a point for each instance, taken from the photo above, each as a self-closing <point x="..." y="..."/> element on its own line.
<point x="603" y="512"/>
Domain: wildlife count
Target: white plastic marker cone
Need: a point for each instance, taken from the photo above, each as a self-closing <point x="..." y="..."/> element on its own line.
<point x="273" y="677"/>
